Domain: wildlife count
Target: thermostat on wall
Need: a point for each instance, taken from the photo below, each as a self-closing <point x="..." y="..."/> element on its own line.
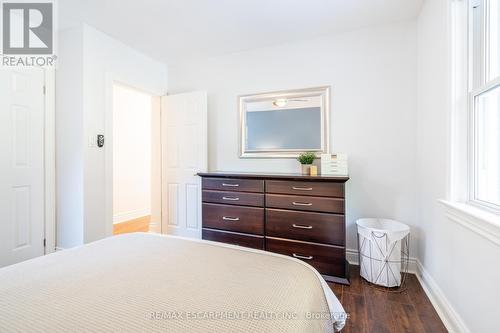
<point x="100" y="140"/>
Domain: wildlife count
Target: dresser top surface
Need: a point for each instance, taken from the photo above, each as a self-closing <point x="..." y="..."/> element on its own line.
<point x="264" y="175"/>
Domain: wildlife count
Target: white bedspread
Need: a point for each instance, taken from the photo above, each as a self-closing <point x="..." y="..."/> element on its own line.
<point x="152" y="283"/>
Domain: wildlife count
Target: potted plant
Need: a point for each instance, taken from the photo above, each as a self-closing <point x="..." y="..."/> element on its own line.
<point x="306" y="159"/>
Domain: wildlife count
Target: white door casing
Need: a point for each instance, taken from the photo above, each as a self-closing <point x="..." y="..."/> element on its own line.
<point x="22" y="169"/>
<point x="155" y="224"/>
<point x="184" y="154"/>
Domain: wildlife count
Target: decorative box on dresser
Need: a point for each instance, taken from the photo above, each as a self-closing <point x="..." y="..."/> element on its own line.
<point x="291" y="214"/>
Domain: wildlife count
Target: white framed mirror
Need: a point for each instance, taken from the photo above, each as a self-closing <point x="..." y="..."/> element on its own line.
<point x="283" y="124"/>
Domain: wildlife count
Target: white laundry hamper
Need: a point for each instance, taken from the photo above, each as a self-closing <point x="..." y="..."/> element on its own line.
<point x="383" y="250"/>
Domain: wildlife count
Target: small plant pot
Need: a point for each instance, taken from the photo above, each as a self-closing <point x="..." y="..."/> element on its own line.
<point x="306" y="169"/>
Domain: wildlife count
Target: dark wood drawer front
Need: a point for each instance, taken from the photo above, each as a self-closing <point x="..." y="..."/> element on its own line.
<point x="255" y="242"/>
<point x="234" y="198"/>
<point x="232" y="184"/>
<point x="305" y="188"/>
<point x="327" y="259"/>
<point x="315" y="204"/>
<point x="312" y="227"/>
<point x="233" y="218"/>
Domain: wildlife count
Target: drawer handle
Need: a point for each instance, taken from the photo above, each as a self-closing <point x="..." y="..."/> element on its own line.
<point x="229" y="218"/>
<point x="230" y="185"/>
<point x="302" y="188"/>
<point x="231" y="198"/>
<point x="302" y="226"/>
<point x="295" y="255"/>
<point x="301" y="204"/>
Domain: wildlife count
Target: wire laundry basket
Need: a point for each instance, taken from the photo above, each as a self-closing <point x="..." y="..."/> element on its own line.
<point x="383" y="247"/>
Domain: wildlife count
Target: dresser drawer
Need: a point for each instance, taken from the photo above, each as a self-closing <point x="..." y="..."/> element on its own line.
<point x="252" y="241"/>
<point x="234" y="198"/>
<point x="233" y="184"/>
<point x="315" y="204"/>
<point x="306" y="226"/>
<point x="327" y="259"/>
<point x="233" y="218"/>
<point x="305" y="188"/>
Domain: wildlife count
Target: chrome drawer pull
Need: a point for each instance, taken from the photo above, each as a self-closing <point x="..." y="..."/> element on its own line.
<point x="231" y="198"/>
<point x="228" y="218"/>
<point x="302" y="257"/>
<point x="230" y="185"/>
<point x="302" y="226"/>
<point x="302" y="188"/>
<point x="301" y="204"/>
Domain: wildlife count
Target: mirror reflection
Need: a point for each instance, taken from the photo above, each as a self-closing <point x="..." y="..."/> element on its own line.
<point x="285" y="123"/>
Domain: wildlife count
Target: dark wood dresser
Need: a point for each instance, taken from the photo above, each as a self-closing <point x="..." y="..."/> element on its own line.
<point x="291" y="214"/>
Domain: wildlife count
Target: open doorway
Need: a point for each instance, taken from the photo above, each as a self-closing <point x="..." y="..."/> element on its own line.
<point x="136" y="160"/>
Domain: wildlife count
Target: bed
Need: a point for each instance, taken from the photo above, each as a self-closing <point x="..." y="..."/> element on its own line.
<point x="155" y="283"/>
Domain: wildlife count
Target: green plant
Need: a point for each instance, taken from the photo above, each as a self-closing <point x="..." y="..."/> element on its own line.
<point x="306" y="158"/>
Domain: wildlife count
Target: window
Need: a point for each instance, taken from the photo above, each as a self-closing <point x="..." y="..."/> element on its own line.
<point x="484" y="105"/>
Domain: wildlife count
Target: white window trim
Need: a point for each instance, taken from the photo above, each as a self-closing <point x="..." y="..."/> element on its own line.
<point x="478" y="220"/>
<point x="459" y="207"/>
<point x="472" y="148"/>
<point x="486" y="84"/>
<point x="458" y="161"/>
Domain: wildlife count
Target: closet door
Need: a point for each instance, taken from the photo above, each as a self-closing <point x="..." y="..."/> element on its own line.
<point x="22" y="177"/>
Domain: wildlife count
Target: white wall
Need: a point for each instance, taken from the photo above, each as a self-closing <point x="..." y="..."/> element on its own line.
<point x="69" y="139"/>
<point x="460" y="265"/>
<point x="94" y="61"/>
<point x="373" y="77"/>
<point x="132" y="136"/>
<point x="105" y="57"/>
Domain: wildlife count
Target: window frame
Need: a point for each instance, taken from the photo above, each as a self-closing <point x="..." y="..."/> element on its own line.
<point x="478" y="59"/>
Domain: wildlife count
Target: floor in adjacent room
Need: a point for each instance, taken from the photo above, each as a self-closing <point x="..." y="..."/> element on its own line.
<point x="375" y="310"/>
<point x="140" y="224"/>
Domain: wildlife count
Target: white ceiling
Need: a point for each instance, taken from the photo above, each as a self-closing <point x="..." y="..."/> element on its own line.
<point x="177" y="30"/>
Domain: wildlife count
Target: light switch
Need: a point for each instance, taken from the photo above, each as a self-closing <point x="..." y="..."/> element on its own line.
<point x="92" y="141"/>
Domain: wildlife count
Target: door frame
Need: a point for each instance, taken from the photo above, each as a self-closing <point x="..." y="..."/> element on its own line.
<point x="110" y="80"/>
<point x="50" y="159"/>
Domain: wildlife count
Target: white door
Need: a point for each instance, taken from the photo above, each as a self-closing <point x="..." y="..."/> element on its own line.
<point x="184" y="153"/>
<point x="22" y="185"/>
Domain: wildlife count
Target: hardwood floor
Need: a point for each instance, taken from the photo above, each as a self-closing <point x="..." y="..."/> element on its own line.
<point x="374" y="310"/>
<point x="140" y="224"/>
